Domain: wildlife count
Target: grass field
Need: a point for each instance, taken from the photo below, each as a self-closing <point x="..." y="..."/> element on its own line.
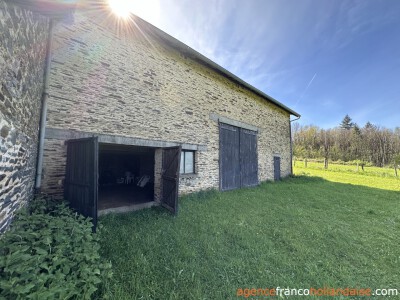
<point x="301" y="232"/>
<point x="368" y="171"/>
<point x="381" y="178"/>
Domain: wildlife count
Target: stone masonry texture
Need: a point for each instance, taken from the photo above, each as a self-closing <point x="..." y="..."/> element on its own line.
<point x="23" y="42"/>
<point x="123" y="80"/>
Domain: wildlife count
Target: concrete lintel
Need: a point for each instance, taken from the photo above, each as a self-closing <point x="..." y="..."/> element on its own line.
<point x="66" y="134"/>
<point x="218" y="118"/>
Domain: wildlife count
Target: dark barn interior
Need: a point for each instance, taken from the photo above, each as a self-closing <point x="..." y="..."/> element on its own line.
<point x="126" y="176"/>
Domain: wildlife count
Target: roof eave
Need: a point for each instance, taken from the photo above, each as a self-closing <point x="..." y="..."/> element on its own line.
<point x="247" y="85"/>
<point x="180" y="46"/>
<point x="53" y="9"/>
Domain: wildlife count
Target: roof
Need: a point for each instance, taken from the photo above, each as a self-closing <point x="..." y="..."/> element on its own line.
<point x="56" y="9"/>
<point x="190" y="52"/>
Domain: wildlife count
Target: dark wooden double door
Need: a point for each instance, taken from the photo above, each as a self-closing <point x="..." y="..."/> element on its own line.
<point x="81" y="178"/>
<point x="238" y="157"/>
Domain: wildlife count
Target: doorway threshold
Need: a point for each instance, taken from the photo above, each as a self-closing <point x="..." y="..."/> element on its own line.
<point x="128" y="208"/>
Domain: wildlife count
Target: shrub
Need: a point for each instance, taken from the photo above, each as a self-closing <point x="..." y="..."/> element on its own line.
<point x="50" y="252"/>
<point x="339" y="162"/>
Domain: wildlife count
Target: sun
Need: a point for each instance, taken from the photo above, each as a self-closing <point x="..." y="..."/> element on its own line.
<point x="146" y="9"/>
<point x="122" y="8"/>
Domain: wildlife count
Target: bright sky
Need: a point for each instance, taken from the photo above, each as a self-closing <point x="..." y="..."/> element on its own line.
<point x="322" y="58"/>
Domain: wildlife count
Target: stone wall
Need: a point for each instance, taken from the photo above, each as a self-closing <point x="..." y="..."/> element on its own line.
<point x="108" y="81"/>
<point x="23" y="42"/>
<point x="157" y="174"/>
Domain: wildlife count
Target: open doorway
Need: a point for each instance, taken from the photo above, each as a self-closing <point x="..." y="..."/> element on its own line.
<point x="126" y="177"/>
<point x="82" y="185"/>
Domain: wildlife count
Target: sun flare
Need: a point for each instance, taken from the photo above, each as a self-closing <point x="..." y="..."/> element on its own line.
<point x="146" y="9"/>
<point x="122" y="8"/>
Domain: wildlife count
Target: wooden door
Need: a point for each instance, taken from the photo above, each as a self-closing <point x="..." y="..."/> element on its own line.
<point x="238" y="157"/>
<point x="248" y="158"/>
<point x="277" y="168"/>
<point x="170" y="178"/>
<point x="80" y="187"/>
<point x="229" y="157"/>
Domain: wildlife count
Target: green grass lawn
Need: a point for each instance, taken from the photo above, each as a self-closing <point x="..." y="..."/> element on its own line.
<point x="299" y="233"/>
<point x="371" y="171"/>
<point x="381" y="178"/>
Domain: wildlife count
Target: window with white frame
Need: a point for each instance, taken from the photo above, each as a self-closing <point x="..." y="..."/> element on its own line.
<point x="187" y="162"/>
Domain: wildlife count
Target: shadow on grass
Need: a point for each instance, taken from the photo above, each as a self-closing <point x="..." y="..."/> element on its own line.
<point x="300" y="232"/>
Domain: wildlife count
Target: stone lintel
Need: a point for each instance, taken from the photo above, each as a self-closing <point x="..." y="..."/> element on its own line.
<point x="67" y="134"/>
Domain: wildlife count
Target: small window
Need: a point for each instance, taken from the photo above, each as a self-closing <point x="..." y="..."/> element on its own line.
<point x="187" y="162"/>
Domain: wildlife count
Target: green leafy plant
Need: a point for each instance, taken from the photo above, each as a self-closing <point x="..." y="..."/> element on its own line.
<point x="50" y="252"/>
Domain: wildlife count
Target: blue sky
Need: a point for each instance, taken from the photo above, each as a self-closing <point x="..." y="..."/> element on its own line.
<point x="322" y="58"/>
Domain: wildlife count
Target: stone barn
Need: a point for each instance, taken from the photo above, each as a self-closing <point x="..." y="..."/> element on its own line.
<point x="130" y="116"/>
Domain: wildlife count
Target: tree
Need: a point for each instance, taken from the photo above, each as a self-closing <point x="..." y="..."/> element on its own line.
<point x="369" y="125"/>
<point x="305" y="142"/>
<point x="396" y="164"/>
<point x="369" y="144"/>
<point x="356" y="129"/>
<point x="346" y="123"/>
<point x="343" y="142"/>
<point x="325" y="137"/>
<point x="356" y="143"/>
